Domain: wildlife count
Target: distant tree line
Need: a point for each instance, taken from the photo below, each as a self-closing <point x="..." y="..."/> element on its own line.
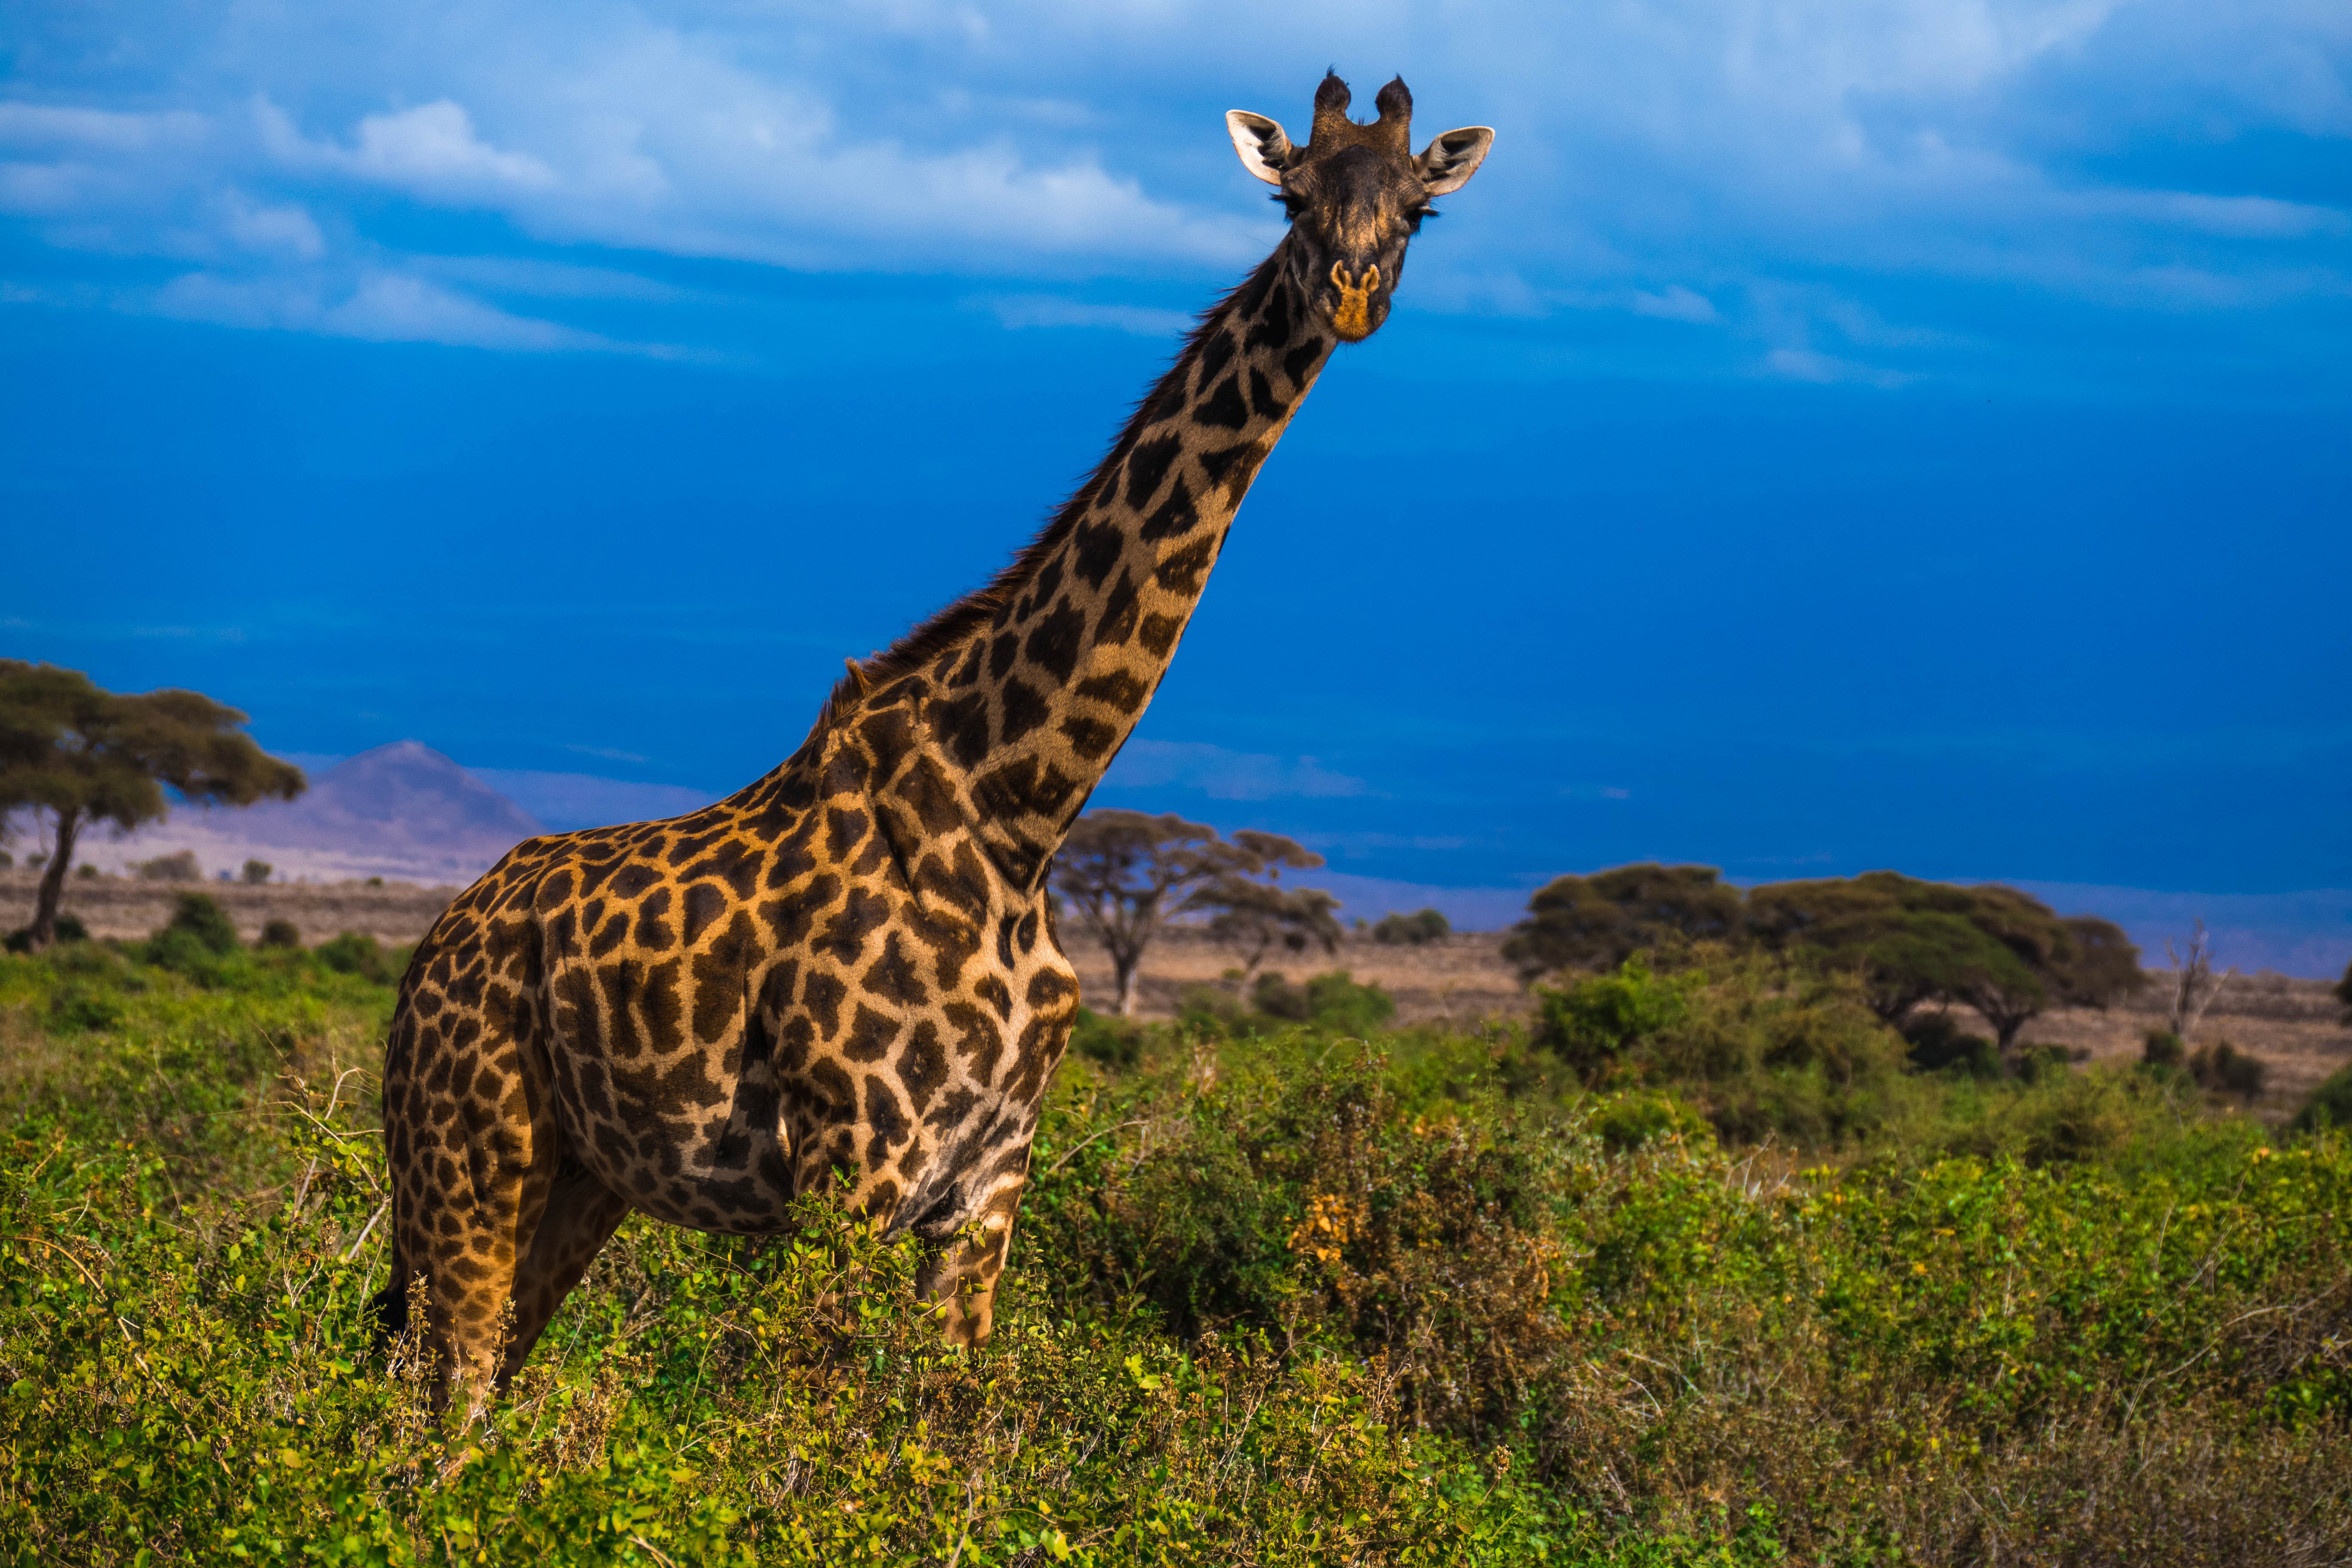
<point x="1992" y="948"/>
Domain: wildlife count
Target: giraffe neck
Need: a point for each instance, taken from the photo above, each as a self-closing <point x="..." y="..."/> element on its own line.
<point x="1023" y="693"/>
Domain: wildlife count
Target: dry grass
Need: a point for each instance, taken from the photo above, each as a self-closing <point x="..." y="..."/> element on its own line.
<point x="397" y="913"/>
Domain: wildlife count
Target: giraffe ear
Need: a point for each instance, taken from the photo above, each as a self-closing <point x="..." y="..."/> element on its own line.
<point x="1449" y="161"/>
<point x="1260" y="142"/>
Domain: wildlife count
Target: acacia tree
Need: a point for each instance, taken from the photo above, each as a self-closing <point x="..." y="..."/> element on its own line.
<point x="1999" y="950"/>
<point x="1252" y="917"/>
<point x="1601" y="920"/>
<point x="85" y="755"/>
<point x="1123" y="874"/>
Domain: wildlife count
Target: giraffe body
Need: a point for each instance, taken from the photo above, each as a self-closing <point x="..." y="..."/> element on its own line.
<point x="850" y="965"/>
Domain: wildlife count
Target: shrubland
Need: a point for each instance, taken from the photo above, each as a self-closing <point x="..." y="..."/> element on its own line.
<point x="1706" y="1266"/>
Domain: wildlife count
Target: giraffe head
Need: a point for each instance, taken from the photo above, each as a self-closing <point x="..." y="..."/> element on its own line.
<point x="1356" y="195"/>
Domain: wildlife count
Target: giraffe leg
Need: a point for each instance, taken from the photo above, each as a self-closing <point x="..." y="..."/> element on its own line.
<point x="580" y="1215"/>
<point x="470" y="1197"/>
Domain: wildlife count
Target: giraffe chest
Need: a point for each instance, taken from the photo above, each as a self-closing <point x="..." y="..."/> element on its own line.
<point x="782" y="1040"/>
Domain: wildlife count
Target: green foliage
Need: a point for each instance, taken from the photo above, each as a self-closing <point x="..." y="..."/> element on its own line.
<point x="279" y="933"/>
<point x="2162" y="1050"/>
<point x="1763" y="1049"/>
<point x="1592" y="1023"/>
<point x="2330" y="1104"/>
<point x="204" y="921"/>
<point x="2225" y="1069"/>
<point x="1600" y="922"/>
<point x="1112" y="1042"/>
<point x="68" y="928"/>
<point x="180" y="866"/>
<point x="1992" y="948"/>
<point x="257" y="872"/>
<point x="195" y="941"/>
<point x="1628" y="1121"/>
<point x="356" y="952"/>
<point x="1934" y="1043"/>
<point x="1413" y="930"/>
<point x="1333" y="1002"/>
<point x="1294" y="1301"/>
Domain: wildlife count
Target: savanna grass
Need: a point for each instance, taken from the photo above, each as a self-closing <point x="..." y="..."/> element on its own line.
<point x="1290" y="1298"/>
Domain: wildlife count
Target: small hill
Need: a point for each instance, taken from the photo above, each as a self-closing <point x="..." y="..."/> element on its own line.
<point x="402" y="812"/>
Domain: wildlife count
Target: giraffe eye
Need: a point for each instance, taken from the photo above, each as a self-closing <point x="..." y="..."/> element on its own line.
<point x="1291" y="204"/>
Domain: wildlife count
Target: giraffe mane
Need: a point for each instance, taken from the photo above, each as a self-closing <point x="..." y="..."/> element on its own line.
<point x="949" y="626"/>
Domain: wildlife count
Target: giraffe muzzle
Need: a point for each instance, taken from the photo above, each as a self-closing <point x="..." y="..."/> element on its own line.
<point x="1352" y="318"/>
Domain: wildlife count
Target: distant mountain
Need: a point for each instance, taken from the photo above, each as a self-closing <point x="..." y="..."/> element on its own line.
<point x="402" y="812"/>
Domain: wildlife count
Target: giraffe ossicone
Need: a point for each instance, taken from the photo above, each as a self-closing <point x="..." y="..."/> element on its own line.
<point x="848" y="970"/>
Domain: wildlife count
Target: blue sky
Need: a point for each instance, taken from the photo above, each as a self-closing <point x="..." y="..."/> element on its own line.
<point x="1821" y="437"/>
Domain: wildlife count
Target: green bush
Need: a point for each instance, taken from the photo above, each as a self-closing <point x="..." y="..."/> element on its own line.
<point x="1592" y="1023"/>
<point x="198" y="917"/>
<point x="1338" y="1003"/>
<point x="282" y="933"/>
<point x="1764" y="1048"/>
<point x="2330" y="1104"/>
<point x="1334" y="1003"/>
<point x="2222" y="1068"/>
<point x="355" y="952"/>
<point x="68" y="928"/>
<point x="178" y="867"/>
<point x="2037" y="1063"/>
<point x="1934" y="1043"/>
<point x="1113" y="1042"/>
<point x="1413" y="930"/>
<point x="1626" y="1122"/>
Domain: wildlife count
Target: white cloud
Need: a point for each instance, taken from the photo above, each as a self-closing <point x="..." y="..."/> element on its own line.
<point x="658" y="142"/>
<point x="382" y="307"/>
<point x="431" y="150"/>
<point x="1018" y="310"/>
<point x="1674" y="304"/>
<point x="1805" y="364"/>
<point x="33" y="127"/>
<point x="1223" y="775"/>
<point x="286" y="228"/>
<point x="1665" y="159"/>
<point x="2244" y="217"/>
<point x="433" y="145"/>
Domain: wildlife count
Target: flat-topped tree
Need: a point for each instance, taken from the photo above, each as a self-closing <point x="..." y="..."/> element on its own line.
<point x="1253" y="913"/>
<point x="1993" y="948"/>
<point x="1600" y="920"/>
<point x="847" y="971"/>
<point x="87" y="755"/>
<point x="1124" y="875"/>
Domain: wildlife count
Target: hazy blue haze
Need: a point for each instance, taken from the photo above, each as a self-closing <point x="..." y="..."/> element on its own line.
<point x="1817" y="440"/>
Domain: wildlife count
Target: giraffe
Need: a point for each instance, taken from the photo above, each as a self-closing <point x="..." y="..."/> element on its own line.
<point x="848" y="968"/>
